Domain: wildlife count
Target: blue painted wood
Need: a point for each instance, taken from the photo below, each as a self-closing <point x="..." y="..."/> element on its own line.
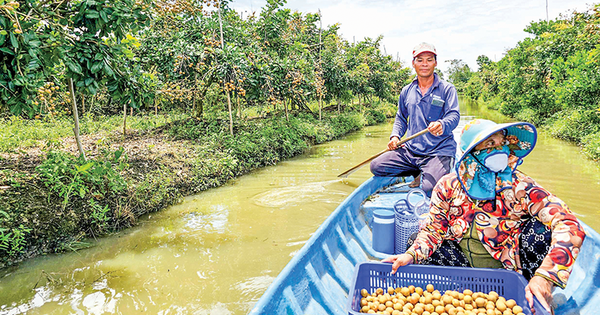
<point x="318" y="278"/>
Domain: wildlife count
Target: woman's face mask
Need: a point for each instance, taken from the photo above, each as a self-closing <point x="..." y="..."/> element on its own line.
<point x="494" y="159"/>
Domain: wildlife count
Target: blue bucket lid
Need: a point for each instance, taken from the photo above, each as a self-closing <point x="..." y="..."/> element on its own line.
<point x="383" y="214"/>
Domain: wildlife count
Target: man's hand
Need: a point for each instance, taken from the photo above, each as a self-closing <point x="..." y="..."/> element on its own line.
<point x="540" y="288"/>
<point x="436" y="128"/>
<point x="393" y="144"/>
<point x="399" y="261"/>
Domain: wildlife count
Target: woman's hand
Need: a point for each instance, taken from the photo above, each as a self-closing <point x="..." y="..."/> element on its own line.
<point x="540" y="288"/>
<point x="399" y="261"/>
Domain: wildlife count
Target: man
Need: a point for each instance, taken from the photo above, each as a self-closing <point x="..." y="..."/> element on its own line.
<point x="427" y="102"/>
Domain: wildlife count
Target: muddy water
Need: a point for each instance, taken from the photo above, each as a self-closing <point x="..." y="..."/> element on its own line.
<point x="216" y="252"/>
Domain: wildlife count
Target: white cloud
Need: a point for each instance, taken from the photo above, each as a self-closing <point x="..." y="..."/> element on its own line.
<point x="460" y="29"/>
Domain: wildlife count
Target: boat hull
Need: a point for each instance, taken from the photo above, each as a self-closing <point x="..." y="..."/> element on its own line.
<point x="318" y="278"/>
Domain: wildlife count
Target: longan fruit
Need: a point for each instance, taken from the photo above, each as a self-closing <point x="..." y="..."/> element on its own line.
<point x="440" y="309"/>
<point x="447" y="299"/>
<point x="405" y="291"/>
<point x="511" y="303"/>
<point x="492" y="296"/>
<point x="430" y="288"/>
<point x="468" y="299"/>
<point x="364" y="292"/>
<point x="390" y="290"/>
<point x="467" y="292"/>
<point x="419" y="290"/>
<point x="517" y="309"/>
<point x="480" y="302"/>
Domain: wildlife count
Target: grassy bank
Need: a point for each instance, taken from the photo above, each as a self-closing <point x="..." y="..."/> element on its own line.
<point x="52" y="201"/>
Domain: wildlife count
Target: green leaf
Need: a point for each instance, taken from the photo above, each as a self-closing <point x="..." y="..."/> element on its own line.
<point x="85" y="167"/>
<point x="73" y="66"/>
<point x="7" y="50"/>
<point x="92" y="14"/>
<point x="107" y="70"/>
<point x="13" y="40"/>
<point x="99" y="56"/>
<point x="97" y="66"/>
<point x="89" y="81"/>
<point x="104" y="16"/>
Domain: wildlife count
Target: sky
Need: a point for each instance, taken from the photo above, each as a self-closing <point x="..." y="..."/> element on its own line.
<point x="459" y="29"/>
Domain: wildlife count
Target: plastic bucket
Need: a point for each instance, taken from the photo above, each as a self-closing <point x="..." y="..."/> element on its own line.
<point x="383" y="231"/>
<point x="406" y="223"/>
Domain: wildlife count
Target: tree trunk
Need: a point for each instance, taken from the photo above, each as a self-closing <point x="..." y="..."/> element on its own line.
<point x="287" y="118"/>
<point x="239" y="106"/>
<point x="124" y="119"/>
<point x="230" y="115"/>
<point x="76" y="116"/>
<point x="82" y="104"/>
<point x="320" y="107"/>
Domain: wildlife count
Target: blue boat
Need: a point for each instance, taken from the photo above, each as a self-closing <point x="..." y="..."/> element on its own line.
<point x="320" y="276"/>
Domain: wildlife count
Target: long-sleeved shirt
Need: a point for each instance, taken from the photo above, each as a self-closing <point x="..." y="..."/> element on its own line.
<point x="416" y="111"/>
<point x="498" y="228"/>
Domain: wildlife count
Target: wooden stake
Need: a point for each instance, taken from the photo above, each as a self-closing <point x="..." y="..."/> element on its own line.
<point x="76" y="116"/>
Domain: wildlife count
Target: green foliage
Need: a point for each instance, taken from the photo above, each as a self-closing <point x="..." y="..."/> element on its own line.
<point x="552" y="78"/>
<point x="82" y="40"/>
<point x="459" y="73"/>
<point x="12" y="241"/>
<point x="100" y="215"/>
<point x="591" y="145"/>
<point x="68" y="176"/>
<point x="574" y="125"/>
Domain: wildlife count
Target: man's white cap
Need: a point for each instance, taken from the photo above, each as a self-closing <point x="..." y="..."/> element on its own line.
<point x="424" y="47"/>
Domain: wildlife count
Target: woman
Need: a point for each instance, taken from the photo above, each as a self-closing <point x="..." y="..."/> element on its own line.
<point x="488" y="214"/>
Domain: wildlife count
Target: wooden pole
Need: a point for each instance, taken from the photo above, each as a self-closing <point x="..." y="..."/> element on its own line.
<point x="353" y="169"/>
<point x="76" y="116"/>
<point x="223" y="47"/>
<point x="124" y="119"/>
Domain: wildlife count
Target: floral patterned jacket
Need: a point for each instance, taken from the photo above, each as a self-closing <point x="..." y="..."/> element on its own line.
<point x="452" y="212"/>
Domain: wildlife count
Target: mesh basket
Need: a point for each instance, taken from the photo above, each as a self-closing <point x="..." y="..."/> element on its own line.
<point x="406" y="223"/>
<point x="373" y="275"/>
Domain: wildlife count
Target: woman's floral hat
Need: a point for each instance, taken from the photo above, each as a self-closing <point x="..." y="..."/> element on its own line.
<point x="478" y="181"/>
<point x="520" y="136"/>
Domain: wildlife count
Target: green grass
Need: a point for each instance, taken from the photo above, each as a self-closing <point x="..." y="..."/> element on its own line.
<point x="18" y="134"/>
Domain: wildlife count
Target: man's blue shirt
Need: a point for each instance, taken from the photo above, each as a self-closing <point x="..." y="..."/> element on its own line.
<point x="440" y="103"/>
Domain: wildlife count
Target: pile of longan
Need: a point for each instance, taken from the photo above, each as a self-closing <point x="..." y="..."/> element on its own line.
<point x="413" y="300"/>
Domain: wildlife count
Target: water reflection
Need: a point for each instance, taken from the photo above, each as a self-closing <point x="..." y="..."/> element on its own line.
<point x="218" y="251"/>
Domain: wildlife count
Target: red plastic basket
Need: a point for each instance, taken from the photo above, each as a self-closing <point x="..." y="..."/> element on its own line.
<point x="373" y="275"/>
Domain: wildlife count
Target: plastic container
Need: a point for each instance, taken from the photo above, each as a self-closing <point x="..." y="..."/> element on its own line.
<point x="406" y="223"/>
<point x="419" y="203"/>
<point x="373" y="275"/>
<point x="383" y="231"/>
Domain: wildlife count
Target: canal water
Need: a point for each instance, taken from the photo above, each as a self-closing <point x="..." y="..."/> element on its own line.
<point x="217" y="252"/>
